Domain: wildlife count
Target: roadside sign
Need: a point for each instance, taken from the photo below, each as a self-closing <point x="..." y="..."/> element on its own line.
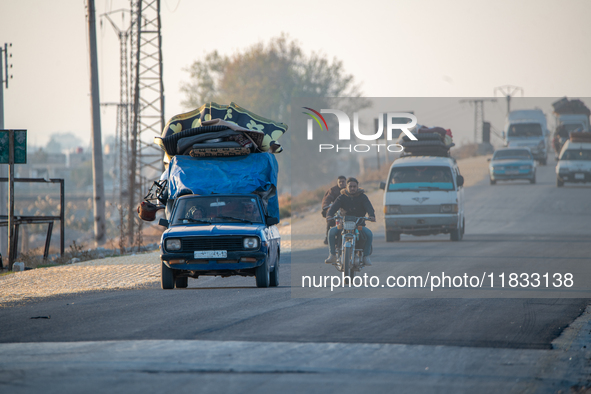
<point x="20" y="146"/>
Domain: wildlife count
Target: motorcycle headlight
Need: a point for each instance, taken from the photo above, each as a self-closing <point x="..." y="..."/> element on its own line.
<point x="392" y="209"/>
<point x="173" y="244"/>
<point x="350" y="225"/>
<point x="251" y="243"/>
<point x="449" y="208"/>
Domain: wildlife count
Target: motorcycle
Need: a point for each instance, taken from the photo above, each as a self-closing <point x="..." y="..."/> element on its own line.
<point x="349" y="258"/>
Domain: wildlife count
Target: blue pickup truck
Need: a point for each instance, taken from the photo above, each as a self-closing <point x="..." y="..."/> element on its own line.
<point x="222" y="234"/>
<point x="221" y="220"/>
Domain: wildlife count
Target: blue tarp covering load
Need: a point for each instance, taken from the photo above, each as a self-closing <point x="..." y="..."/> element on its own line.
<point x="226" y="175"/>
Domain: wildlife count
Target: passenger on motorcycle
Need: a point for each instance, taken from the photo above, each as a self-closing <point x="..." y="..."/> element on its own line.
<point x="332" y="194"/>
<point x="353" y="202"/>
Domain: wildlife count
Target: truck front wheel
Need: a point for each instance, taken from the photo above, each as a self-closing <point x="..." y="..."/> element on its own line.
<point x="166" y="277"/>
<point x="274" y="280"/>
<point x="261" y="273"/>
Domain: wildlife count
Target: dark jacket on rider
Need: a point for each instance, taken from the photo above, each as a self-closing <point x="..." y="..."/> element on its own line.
<point x="331" y="194"/>
<point x="352" y="205"/>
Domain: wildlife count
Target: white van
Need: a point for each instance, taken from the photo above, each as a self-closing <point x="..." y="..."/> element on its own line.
<point x="424" y="195"/>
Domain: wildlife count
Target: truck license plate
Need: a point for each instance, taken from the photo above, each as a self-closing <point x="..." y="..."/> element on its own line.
<point x="210" y="254"/>
<point x="579" y="176"/>
<point x="512" y="172"/>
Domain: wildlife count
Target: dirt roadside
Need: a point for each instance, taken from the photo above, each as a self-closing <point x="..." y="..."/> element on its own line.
<point x="127" y="272"/>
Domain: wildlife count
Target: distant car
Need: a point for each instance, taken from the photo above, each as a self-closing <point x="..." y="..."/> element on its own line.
<point x="221" y="235"/>
<point x="574" y="163"/>
<point x="512" y="163"/>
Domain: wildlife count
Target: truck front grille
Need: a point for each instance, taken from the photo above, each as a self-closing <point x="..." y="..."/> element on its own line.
<point x="190" y="244"/>
<point x="418" y="209"/>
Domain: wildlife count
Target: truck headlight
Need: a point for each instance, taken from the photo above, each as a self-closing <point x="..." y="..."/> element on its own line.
<point x="524" y="167"/>
<point x="449" y="208"/>
<point x="563" y="169"/>
<point x="498" y="168"/>
<point x="251" y="243"/>
<point x="391" y="209"/>
<point x="173" y="244"/>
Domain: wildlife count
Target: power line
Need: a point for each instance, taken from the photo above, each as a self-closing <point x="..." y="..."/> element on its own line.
<point x="478" y="114"/>
<point x="508" y="91"/>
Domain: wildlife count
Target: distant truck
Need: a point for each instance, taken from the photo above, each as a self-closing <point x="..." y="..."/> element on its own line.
<point x="527" y="128"/>
<point x="571" y="116"/>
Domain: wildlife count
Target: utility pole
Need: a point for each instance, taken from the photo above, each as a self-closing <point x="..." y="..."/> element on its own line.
<point x="122" y="130"/>
<point x="97" y="147"/>
<point x="478" y="115"/>
<point x="508" y="91"/>
<point x="3" y="167"/>
<point x="376" y="123"/>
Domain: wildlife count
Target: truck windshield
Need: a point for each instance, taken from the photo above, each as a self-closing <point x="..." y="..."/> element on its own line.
<point x="418" y="178"/>
<point x="576" y="154"/>
<point x="525" y="130"/>
<point x="507" y="154"/>
<point x="217" y="209"/>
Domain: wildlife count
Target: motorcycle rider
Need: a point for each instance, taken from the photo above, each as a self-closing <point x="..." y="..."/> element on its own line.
<point x="329" y="197"/>
<point x="353" y="202"/>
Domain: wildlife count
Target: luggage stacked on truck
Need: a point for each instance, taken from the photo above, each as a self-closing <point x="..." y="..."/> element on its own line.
<point x="564" y="106"/>
<point x="581" y="137"/>
<point x="218" y="149"/>
<point x="431" y="141"/>
<point x="572" y="120"/>
<point x="215" y="130"/>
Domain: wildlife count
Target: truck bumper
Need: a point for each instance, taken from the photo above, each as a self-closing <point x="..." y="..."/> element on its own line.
<point x="409" y="224"/>
<point x="576" y="177"/>
<point x="233" y="262"/>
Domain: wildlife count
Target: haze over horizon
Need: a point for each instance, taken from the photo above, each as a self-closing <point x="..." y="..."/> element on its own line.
<point x="393" y="49"/>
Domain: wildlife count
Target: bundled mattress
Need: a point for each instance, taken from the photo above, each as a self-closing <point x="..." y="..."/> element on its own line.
<point x="219" y="130"/>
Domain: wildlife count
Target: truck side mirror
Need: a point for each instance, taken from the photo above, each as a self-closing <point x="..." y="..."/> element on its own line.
<point x="163" y="222"/>
<point x="383" y="185"/>
<point x="271" y="220"/>
<point x="460" y="180"/>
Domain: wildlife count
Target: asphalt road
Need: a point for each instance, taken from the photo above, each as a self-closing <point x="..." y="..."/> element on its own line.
<point x="510" y="227"/>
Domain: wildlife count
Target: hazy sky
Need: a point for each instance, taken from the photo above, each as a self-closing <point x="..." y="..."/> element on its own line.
<point x="417" y="48"/>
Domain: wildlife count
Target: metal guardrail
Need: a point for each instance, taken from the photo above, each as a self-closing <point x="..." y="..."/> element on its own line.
<point x="19" y="220"/>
